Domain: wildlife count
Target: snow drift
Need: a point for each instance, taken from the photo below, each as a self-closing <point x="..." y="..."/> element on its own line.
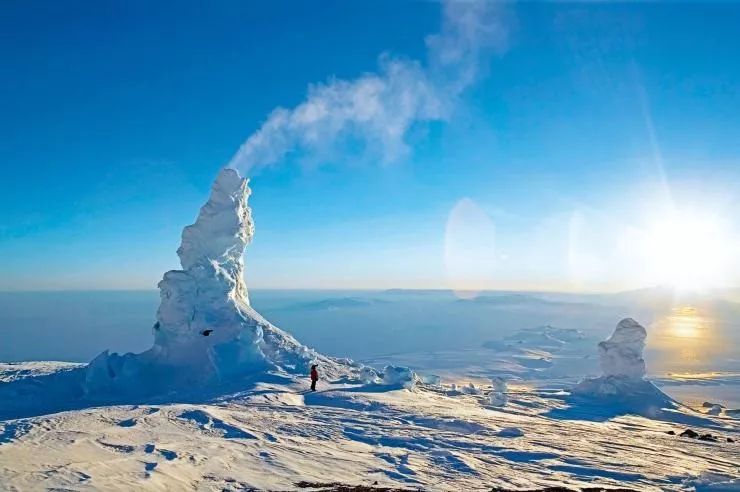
<point x="206" y="330"/>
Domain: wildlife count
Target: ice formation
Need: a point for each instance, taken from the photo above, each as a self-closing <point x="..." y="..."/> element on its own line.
<point x="470" y="389"/>
<point x="621" y="353"/>
<point x="206" y="330"/>
<point x="431" y="379"/>
<point x="498" y="397"/>
<point x="399" y="376"/>
<point x="498" y="384"/>
<point x="510" y="432"/>
<point x="368" y="375"/>
<point x="623" y="368"/>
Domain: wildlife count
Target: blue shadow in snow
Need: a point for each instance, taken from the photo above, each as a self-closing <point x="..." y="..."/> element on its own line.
<point x="61" y="391"/>
<point x="655" y="406"/>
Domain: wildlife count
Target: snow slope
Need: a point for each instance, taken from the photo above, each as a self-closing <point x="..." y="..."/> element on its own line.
<point x="269" y="433"/>
<point x="277" y="434"/>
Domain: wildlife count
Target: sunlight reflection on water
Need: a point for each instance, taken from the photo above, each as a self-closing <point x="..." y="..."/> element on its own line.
<point x="686" y="338"/>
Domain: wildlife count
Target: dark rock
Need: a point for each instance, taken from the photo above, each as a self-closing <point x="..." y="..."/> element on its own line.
<point x="729" y="439"/>
<point x="689" y="433"/>
<point x="672" y="433"/>
<point x="708" y="437"/>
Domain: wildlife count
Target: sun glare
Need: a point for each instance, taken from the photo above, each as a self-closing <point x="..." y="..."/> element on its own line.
<point x="688" y="251"/>
<point x="685" y="322"/>
<point x="685" y="336"/>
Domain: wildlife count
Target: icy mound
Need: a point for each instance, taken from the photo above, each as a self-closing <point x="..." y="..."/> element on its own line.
<point x="399" y="376"/>
<point x="498" y="397"/>
<point x="368" y="375"/>
<point x="206" y="330"/>
<point x="623" y="370"/>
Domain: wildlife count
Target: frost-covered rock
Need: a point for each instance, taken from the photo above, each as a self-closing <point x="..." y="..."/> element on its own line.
<point x="368" y="375"/>
<point x="498" y="384"/>
<point x="431" y="379"/>
<point x="206" y="330"/>
<point x="471" y="389"/>
<point x="510" y="432"/>
<point x="498" y="397"/>
<point x="621" y="353"/>
<point x="399" y="376"/>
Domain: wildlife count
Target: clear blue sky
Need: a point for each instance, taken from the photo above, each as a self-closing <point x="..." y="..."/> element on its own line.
<point x="116" y="116"/>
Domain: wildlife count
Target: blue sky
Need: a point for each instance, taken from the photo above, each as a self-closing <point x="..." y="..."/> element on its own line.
<point x="586" y="128"/>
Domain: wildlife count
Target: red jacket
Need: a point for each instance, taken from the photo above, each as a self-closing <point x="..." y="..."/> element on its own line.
<point x="314" y="374"/>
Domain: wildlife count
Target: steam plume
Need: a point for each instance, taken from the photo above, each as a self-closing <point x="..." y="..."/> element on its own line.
<point x="377" y="110"/>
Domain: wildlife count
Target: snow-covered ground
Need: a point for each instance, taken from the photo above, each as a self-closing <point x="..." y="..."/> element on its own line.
<point x="269" y="432"/>
<point x="276" y="434"/>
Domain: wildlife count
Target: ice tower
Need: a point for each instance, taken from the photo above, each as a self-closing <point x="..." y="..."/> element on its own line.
<point x="206" y="331"/>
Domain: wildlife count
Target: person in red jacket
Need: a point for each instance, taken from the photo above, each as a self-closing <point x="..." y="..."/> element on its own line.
<point x="314" y="377"/>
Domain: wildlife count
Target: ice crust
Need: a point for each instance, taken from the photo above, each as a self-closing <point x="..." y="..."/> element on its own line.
<point x="206" y="330"/>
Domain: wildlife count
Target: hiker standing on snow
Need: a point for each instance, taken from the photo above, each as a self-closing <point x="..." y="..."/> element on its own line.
<point x="314" y="377"/>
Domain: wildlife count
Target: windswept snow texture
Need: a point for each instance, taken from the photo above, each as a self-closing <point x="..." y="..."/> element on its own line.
<point x="206" y="330"/>
<point x="278" y="434"/>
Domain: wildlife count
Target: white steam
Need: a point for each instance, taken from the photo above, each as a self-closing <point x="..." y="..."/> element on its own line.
<point x="378" y="110"/>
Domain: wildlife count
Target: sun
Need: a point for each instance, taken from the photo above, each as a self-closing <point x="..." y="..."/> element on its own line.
<point x="688" y="251"/>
